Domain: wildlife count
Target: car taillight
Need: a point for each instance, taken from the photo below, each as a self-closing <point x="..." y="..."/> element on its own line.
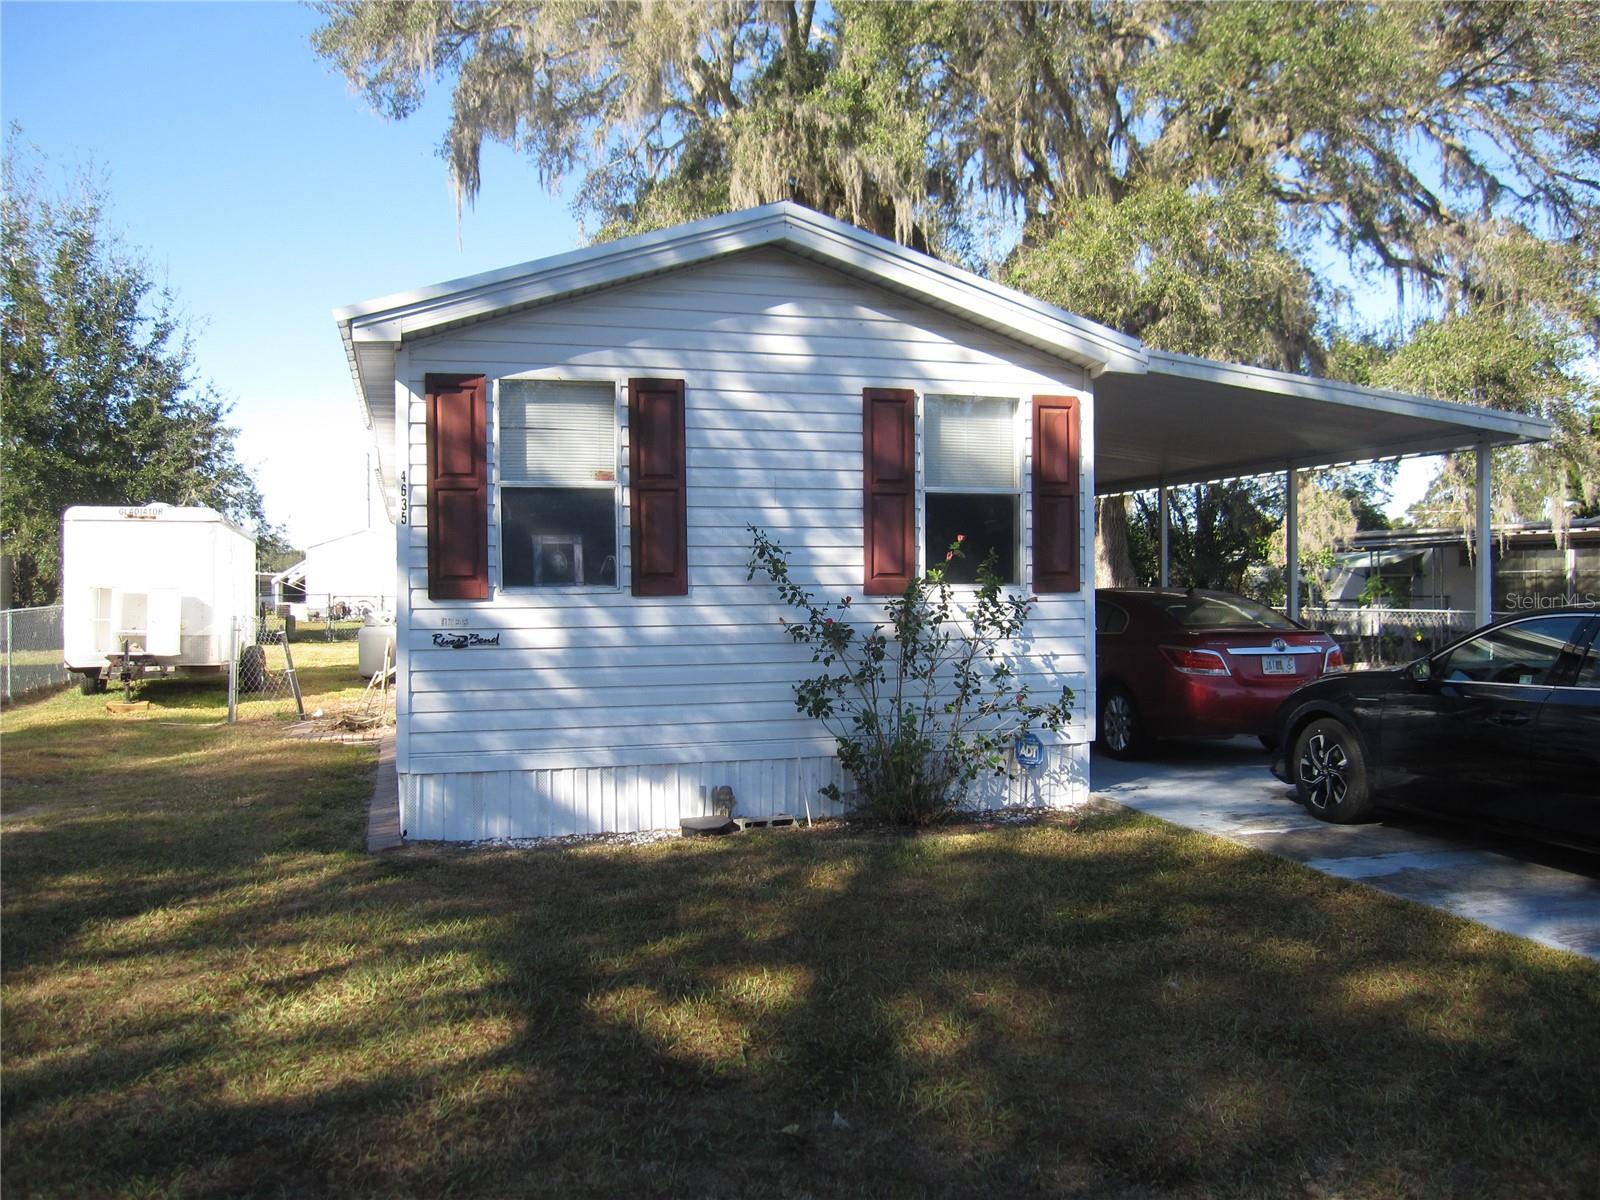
<point x="1196" y="662"/>
<point x="1333" y="660"/>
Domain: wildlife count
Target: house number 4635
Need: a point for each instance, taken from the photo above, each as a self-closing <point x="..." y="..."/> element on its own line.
<point x="405" y="500"/>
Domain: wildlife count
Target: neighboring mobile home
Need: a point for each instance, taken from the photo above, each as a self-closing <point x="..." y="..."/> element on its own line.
<point x="1432" y="568"/>
<point x="352" y="572"/>
<point x="577" y="446"/>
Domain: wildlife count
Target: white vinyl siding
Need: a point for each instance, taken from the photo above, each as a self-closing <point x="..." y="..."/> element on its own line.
<point x="774" y="351"/>
<point x="555" y="802"/>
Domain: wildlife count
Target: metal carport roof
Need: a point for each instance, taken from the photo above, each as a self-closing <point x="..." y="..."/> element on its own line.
<point x="1191" y="420"/>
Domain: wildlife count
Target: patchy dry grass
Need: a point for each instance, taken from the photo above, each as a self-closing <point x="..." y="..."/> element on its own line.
<point x="210" y="990"/>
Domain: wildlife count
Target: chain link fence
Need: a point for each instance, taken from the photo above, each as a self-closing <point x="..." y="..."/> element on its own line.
<point x="262" y="681"/>
<point x="352" y="698"/>
<point x="32" y="651"/>
<point x="1389" y="637"/>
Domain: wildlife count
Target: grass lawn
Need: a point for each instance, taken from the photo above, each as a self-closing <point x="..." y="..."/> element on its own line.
<point x="209" y="989"/>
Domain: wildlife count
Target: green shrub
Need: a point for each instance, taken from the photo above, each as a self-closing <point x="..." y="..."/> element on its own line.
<point x="923" y="702"/>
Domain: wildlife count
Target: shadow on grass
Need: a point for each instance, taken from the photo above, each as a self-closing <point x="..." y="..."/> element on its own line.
<point x="33" y="696"/>
<point x="211" y="1001"/>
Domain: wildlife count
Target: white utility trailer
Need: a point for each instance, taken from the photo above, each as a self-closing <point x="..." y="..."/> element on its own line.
<point x="154" y="589"/>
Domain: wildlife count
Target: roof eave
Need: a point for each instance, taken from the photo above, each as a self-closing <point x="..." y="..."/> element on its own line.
<point x="430" y="309"/>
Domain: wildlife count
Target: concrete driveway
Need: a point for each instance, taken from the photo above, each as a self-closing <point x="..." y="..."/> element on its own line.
<point x="1225" y="788"/>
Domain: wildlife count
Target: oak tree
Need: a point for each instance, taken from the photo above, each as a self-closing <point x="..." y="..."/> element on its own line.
<point x="100" y="403"/>
<point x="1183" y="171"/>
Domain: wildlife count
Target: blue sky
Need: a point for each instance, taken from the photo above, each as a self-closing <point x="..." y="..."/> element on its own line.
<point x="265" y="194"/>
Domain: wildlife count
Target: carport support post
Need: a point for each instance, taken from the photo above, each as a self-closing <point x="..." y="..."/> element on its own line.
<point x="1291" y="525"/>
<point x="1485" y="567"/>
<point x="1166" y="523"/>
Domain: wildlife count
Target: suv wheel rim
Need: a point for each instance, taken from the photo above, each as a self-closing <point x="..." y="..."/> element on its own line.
<point x="1323" y="771"/>
<point x="1118" y="723"/>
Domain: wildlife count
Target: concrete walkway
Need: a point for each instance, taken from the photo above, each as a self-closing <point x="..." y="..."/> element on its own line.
<point x="1225" y="788"/>
<point x="383" y="813"/>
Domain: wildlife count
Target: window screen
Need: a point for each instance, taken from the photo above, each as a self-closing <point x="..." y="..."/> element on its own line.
<point x="973" y="476"/>
<point x="971" y="442"/>
<point x="558" y="477"/>
<point x="557" y="433"/>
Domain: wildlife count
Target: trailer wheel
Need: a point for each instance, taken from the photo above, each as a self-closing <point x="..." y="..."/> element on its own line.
<point x="91" y="683"/>
<point x="252" y="669"/>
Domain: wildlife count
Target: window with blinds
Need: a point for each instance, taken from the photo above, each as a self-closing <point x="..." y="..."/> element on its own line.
<point x="971" y="443"/>
<point x="558" y="483"/>
<point x="973" y="485"/>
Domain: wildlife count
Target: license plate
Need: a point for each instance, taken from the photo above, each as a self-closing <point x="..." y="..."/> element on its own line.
<point x="1278" y="664"/>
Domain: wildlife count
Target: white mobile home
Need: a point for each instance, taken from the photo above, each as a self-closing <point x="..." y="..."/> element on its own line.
<point x="353" y="572"/>
<point x="576" y="447"/>
<point x="1433" y="568"/>
<point x="165" y="584"/>
<point x="357" y="568"/>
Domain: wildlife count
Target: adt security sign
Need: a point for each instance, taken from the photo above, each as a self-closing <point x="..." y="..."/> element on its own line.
<point x="1030" y="752"/>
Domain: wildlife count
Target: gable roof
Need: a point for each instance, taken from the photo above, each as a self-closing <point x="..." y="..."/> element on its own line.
<point x="373" y="330"/>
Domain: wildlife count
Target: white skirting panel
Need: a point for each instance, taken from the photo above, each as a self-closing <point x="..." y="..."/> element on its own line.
<point x="474" y="805"/>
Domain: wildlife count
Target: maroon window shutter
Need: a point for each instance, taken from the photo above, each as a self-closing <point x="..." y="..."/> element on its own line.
<point x="888" y="425"/>
<point x="658" y="513"/>
<point x="1056" y="516"/>
<point x="458" y="489"/>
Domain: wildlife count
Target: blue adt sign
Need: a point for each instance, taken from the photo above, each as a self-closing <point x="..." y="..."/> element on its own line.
<point x="1030" y="751"/>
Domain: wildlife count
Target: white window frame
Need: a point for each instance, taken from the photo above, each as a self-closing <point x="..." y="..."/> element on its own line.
<point x="1021" y="413"/>
<point x="619" y="417"/>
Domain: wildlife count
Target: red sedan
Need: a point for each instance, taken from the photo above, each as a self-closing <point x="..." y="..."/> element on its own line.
<point x="1194" y="663"/>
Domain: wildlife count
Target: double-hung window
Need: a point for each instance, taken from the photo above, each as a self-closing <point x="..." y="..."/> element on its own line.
<point x="973" y="471"/>
<point x="558" y="483"/>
